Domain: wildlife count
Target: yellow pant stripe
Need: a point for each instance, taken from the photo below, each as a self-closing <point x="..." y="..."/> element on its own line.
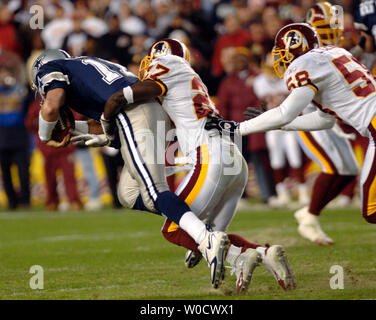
<point x="371" y="201"/>
<point x="327" y="167"/>
<point x="201" y="179"/>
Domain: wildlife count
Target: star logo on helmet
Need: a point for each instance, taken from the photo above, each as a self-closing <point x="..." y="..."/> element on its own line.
<point x="38" y="63"/>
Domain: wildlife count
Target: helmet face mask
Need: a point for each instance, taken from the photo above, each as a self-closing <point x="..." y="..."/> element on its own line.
<point x="162" y="48"/>
<point x="144" y="65"/>
<point x="322" y="16"/>
<point x="291" y="42"/>
<point x="282" y="59"/>
<point x="46" y="56"/>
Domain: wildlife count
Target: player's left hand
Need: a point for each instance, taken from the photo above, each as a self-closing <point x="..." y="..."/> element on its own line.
<point x="56" y="144"/>
<point x="224" y="126"/>
<point x="252" y="112"/>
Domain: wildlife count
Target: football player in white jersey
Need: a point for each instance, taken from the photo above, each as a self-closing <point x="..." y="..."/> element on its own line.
<point x="335" y="82"/>
<point x="330" y="149"/>
<point x="218" y="175"/>
<point x="282" y="145"/>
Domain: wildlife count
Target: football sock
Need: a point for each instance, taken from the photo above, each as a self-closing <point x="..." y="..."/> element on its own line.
<point x="190" y="223"/>
<point x="139" y="205"/>
<point x="232" y="254"/>
<point x="279" y="175"/>
<point x="171" y="206"/>
<point x="326" y="188"/>
<point x="298" y="174"/>
<point x="349" y="190"/>
<point x="239" y="241"/>
<point x="339" y="184"/>
<point x="320" y="189"/>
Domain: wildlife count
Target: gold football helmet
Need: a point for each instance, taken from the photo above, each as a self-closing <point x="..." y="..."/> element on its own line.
<point x="323" y="16"/>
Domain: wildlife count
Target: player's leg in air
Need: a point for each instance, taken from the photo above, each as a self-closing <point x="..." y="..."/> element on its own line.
<point x="213" y="188"/>
<point x="339" y="168"/>
<point x="143" y="183"/>
<point x="368" y="177"/>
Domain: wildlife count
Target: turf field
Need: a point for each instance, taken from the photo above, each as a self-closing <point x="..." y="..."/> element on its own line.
<point x="122" y="255"/>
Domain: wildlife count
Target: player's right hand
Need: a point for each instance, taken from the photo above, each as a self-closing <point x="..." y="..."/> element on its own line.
<point x="91" y="140"/>
<point x="224" y="126"/>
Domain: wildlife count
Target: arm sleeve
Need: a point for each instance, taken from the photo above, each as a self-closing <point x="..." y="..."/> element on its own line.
<point x="276" y="118"/>
<point x="310" y="122"/>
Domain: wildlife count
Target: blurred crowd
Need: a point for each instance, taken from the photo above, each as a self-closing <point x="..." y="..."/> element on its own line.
<point x="229" y="41"/>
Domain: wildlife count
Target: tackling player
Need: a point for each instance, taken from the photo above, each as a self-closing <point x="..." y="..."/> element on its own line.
<point x="214" y="185"/>
<point x="85" y="84"/>
<point x="338" y="86"/>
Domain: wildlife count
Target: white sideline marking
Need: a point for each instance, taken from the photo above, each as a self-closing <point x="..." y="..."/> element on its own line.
<point x="74" y="237"/>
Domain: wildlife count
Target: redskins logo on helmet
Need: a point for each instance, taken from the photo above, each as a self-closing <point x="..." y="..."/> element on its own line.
<point x="323" y="16"/>
<point x="162" y="48"/>
<point x="291" y="42"/>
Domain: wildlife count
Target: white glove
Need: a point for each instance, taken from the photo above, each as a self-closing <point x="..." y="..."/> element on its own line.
<point x="91" y="140"/>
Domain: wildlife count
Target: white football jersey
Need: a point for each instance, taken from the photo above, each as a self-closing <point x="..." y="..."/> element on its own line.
<point x="185" y="99"/>
<point x="344" y="87"/>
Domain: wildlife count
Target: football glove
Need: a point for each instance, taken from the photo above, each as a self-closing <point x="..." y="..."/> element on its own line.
<point x="252" y="112"/>
<point x="227" y="127"/>
<point x="91" y="140"/>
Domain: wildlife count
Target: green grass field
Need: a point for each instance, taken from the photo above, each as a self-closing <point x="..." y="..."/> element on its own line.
<point x="122" y="255"/>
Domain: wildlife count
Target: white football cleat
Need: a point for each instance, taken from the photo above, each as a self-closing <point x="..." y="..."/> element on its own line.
<point x="243" y="267"/>
<point x="214" y="249"/>
<point x="309" y="227"/>
<point x="275" y="261"/>
<point x="192" y="258"/>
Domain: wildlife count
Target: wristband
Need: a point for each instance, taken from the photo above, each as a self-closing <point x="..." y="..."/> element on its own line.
<point x="128" y="94"/>
<point x="45" y="128"/>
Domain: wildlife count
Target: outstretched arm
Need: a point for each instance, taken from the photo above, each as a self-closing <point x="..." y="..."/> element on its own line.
<point x="139" y="91"/>
<point x="276" y="118"/>
<point x="310" y="122"/>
